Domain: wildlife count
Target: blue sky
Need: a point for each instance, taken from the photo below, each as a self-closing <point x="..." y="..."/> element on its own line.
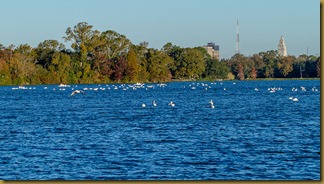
<point x="186" y="23"/>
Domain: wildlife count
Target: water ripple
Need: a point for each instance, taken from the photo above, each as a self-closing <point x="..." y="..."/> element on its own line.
<point x="103" y="135"/>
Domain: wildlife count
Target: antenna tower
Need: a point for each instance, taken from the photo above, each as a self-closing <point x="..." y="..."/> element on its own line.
<point x="237" y="51"/>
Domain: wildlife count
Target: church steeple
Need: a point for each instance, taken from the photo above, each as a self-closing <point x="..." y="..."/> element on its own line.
<point x="282" y="49"/>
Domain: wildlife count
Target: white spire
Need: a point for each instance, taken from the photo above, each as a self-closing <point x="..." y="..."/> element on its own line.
<point x="282" y="49"/>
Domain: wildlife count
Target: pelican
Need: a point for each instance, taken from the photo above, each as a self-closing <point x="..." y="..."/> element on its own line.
<point x="77" y="92"/>
<point x="303" y="88"/>
<point x="171" y="104"/>
<point x="154" y="103"/>
<point x="143" y="105"/>
<point x="211" y="104"/>
<point x="295" y="99"/>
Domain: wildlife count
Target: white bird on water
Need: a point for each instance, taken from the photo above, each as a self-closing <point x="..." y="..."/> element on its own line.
<point x="77" y="92"/>
<point x="154" y="103"/>
<point x="143" y="105"/>
<point x="211" y="104"/>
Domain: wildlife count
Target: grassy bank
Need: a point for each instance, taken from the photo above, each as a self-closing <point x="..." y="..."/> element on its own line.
<point x="257" y="79"/>
<point x="181" y="80"/>
<point x="286" y="79"/>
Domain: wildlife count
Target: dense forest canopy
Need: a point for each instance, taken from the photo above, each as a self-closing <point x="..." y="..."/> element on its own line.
<point x="105" y="57"/>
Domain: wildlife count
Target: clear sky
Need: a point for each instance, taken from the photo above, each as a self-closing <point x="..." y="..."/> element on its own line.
<point x="186" y="23"/>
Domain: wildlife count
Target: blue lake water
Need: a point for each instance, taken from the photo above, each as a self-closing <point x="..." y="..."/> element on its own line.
<point x="106" y="134"/>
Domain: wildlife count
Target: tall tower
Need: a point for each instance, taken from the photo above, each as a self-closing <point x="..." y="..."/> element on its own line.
<point x="282" y="49"/>
<point x="237" y="50"/>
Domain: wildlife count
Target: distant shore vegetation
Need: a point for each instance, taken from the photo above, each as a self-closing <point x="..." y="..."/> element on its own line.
<point x="110" y="57"/>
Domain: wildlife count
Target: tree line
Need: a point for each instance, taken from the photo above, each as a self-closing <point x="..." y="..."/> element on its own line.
<point x="271" y="65"/>
<point x="107" y="57"/>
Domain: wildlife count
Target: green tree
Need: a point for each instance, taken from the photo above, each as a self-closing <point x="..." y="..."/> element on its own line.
<point x="234" y="61"/>
<point x="111" y="44"/>
<point x="318" y="67"/>
<point x="82" y="38"/>
<point x="159" y="64"/>
<point x="175" y="52"/>
<point x="5" y="77"/>
<point x="22" y="64"/>
<point x="190" y="64"/>
<point x="132" y="69"/>
<point x="216" y="70"/>
<point x="141" y="55"/>
<point x="310" y="68"/>
<point x="5" y="70"/>
<point x="284" y="65"/>
<point x="61" y="63"/>
<point x="45" y="51"/>
<point x="258" y="64"/>
<point x="270" y="59"/>
<point x="298" y="66"/>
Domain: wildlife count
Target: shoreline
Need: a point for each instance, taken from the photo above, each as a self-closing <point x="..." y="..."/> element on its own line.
<point x="287" y="79"/>
<point x="173" y="80"/>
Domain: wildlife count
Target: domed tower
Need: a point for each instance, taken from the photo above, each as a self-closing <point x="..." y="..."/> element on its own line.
<point x="282" y="50"/>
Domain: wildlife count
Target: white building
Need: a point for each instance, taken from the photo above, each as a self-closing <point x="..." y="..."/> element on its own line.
<point x="282" y="49"/>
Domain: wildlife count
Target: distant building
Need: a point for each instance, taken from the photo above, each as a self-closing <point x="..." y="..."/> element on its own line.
<point x="212" y="50"/>
<point x="144" y="44"/>
<point x="282" y="49"/>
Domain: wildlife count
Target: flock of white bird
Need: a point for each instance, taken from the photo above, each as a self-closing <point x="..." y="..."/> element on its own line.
<point x="192" y="86"/>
